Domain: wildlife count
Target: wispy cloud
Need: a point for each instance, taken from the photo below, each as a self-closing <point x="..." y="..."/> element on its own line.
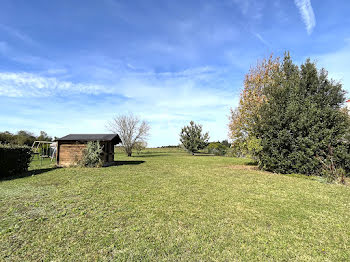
<point x="307" y="14"/>
<point x="251" y="8"/>
<point x="31" y="85"/>
<point x="168" y="100"/>
<point x="17" y="34"/>
<point x="191" y="88"/>
<point x="262" y="40"/>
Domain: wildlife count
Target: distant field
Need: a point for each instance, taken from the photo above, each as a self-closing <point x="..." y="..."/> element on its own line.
<point x="166" y="205"/>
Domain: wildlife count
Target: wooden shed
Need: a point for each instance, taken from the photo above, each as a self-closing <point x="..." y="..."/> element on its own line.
<point x="70" y="148"/>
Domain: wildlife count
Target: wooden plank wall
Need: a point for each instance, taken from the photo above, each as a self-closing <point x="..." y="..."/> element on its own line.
<point x="70" y="154"/>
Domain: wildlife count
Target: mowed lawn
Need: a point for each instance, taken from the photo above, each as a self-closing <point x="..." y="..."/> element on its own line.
<point x="166" y="205"/>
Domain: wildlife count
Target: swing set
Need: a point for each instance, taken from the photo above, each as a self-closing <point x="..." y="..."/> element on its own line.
<point x="44" y="149"/>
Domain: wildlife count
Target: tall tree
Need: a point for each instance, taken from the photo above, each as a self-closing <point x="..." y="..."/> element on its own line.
<point x="245" y="116"/>
<point x="130" y="129"/>
<point x="192" y="138"/>
<point x="44" y="136"/>
<point x="24" y="138"/>
<point x="302" y="123"/>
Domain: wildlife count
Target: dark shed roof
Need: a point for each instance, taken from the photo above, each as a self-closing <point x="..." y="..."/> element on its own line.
<point x="92" y="137"/>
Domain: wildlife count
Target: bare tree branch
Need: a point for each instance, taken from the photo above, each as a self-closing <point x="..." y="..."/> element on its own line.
<point x="130" y="130"/>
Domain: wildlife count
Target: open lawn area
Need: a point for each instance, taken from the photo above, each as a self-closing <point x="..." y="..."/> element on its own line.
<point x="167" y="205"/>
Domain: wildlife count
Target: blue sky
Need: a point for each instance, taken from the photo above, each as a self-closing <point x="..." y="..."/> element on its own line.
<point x="70" y="66"/>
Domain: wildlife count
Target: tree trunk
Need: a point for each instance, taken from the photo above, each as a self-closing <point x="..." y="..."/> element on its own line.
<point x="129" y="153"/>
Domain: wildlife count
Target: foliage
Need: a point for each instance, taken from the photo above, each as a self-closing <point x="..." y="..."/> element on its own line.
<point x="7" y="138"/>
<point x="192" y="138"/>
<point x="329" y="168"/>
<point x="172" y="207"/>
<point x="217" y="148"/>
<point x="43" y="137"/>
<point x="92" y="155"/>
<point x="22" y="137"/>
<point x="244" y="118"/>
<point x="301" y="120"/>
<point x="130" y="129"/>
<point x="170" y="146"/>
<point x="139" y="146"/>
<point x="226" y="143"/>
<point x="14" y="159"/>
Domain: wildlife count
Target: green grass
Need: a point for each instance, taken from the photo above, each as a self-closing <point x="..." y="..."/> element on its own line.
<point x="168" y="205"/>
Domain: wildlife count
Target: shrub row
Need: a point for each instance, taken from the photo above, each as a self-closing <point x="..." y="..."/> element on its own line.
<point x="14" y="160"/>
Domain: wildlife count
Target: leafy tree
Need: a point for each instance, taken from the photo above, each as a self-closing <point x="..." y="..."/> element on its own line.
<point x="130" y="129"/>
<point x="24" y="138"/>
<point x="302" y="121"/>
<point x="244" y="118"/>
<point x="192" y="138"/>
<point x="225" y="143"/>
<point x="44" y="136"/>
<point x="7" y="138"/>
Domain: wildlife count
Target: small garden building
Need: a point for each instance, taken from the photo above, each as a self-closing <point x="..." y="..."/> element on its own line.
<point x="70" y="148"/>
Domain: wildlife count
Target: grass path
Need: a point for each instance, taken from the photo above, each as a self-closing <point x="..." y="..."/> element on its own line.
<point x="172" y="206"/>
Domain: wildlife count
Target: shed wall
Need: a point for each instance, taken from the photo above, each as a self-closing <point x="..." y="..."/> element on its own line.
<point x="70" y="154"/>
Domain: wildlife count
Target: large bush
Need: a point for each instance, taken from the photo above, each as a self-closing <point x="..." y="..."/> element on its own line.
<point x="217" y="149"/>
<point x="92" y="155"/>
<point x="302" y="121"/>
<point x="14" y="160"/>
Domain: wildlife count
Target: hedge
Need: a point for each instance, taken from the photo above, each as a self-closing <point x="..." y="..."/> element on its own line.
<point x="14" y="160"/>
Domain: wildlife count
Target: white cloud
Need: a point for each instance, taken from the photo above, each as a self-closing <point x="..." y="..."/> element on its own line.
<point x="31" y="85"/>
<point x="168" y="100"/>
<point x="307" y="14"/>
<point x="174" y="89"/>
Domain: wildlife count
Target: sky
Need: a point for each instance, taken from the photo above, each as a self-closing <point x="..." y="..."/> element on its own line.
<point x="71" y="66"/>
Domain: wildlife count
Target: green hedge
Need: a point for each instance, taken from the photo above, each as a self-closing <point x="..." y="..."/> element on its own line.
<point x="14" y="160"/>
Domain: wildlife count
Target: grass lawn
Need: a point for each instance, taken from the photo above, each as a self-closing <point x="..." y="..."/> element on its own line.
<point x="168" y="205"/>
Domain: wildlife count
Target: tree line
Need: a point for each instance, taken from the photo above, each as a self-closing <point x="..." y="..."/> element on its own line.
<point x="23" y="137"/>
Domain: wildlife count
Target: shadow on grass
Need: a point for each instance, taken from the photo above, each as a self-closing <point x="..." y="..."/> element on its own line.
<point x="203" y="154"/>
<point x="252" y="163"/>
<point x="28" y="173"/>
<point x="131" y="162"/>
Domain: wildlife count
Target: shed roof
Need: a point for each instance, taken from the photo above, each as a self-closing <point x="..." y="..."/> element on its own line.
<point x="91" y="137"/>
